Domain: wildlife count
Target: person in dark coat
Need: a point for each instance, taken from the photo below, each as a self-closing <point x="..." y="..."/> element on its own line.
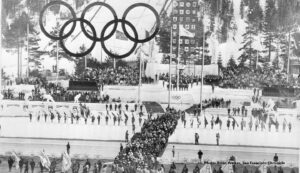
<point x="245" y="170"/>
<point x="220" y="170"/>
<point x="200" y="154"/>
<point x="126" y="106"/>
<point x="196" y="169"/>
<point x="135" y="107"/>
<point x="185" y="169"/>
<point x="42" y="167"/>
<point x="68" y="148"/>
<point x="32" y="165"/>
<point x="26" y="167"/>
<point x="21" y="163"/>
<point x="10" y="163"/>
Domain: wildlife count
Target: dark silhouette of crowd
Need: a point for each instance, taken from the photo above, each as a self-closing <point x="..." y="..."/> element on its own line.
<point x="122" y="75"/>
<point x="144" y="147"/>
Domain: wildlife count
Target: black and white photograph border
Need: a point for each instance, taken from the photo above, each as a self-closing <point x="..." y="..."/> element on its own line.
<point x="113" y="86"/>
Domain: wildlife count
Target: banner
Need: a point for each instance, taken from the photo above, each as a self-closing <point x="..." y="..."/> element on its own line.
<point x="66" y="162"/>
<point x="121" y="36"/>
<point x="45" y="160"/>
<point x="17" y="159"/>
<point x="206" y="169"/>
<point x="185" y="33"/>
<point x="227" y="168"/>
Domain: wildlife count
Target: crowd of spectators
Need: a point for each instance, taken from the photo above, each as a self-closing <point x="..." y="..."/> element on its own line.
<point x="185" y="81"/>
<point x="246" y="78"/>
<point x="122" y="75"/>
<point x="144" y="147"/>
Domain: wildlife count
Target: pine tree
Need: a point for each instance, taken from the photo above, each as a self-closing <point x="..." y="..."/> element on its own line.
<point x="165" y="33"/>
<point x="249" y="53"/>
<point x="80" y="63"/>
<point x="231" y="65"/>
<point x="220" y="61"/>
<point x="270" y="27"/>
<point x="242" y="9"/>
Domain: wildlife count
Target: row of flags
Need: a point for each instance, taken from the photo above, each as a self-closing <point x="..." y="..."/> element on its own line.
<point x="67" y="163"/>
<point x="45" y="161"/>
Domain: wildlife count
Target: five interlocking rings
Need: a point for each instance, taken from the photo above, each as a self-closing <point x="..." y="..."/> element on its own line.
<point x="93" y="36"/>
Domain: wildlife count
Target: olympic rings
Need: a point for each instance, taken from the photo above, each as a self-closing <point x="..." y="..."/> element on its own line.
<point x="157" y="22"/>
<point x="102" y="37"/>
<point x="110" y="9"/>
<point x="131" y="50"/>
<point x="41" y="20"/>
<point x="62" y="42"/>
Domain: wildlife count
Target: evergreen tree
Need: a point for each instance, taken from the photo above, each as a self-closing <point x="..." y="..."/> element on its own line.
<point x="231" y="65"/>
<point x="270" y="27"/>
<point x="80" y="63"/>
<point x="220" y="61"/>
<point x="165" y="33"/>
<point x="249" y="53"/>
<point x="242" y="9"/>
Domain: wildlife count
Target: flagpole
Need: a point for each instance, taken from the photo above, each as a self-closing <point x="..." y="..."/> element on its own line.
<point x="178" y="59"/>
<point x="27" y="50"/>
<point x="203" y="56"/>
<point x="57" y="54"/>
<point x="170" y="60"/>
<point x="1" y="49"/>
<point x="140" y="77"/>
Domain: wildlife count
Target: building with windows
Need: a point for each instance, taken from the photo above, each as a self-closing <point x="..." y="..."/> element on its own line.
<point x="185" y="14"/>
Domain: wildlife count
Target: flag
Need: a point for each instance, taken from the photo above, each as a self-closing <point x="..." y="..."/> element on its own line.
<point x="17" y="159"/>
<point x="263" y="168"/>
<point x="45" y="160"/>
<point x="121" y="36"/>
<point x="227" y="168"/>
<point x="206" y="169"/>
<point x="66" y="162"/>
<point x="185" y="33"/>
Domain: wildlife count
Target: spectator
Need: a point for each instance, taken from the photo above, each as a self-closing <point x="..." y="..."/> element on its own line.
<point x="200" y="154"/>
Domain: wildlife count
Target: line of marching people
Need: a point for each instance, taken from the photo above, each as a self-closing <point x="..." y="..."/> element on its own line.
<point x="233" y="123"/>
<point x="116" y="116"/>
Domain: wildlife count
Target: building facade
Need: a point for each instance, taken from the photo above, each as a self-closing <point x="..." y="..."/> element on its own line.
<point x="184" y="13"/>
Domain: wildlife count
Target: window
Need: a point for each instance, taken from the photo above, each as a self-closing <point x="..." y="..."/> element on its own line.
<point x="174" y="48"/>
<point x="192" y="41"/>
<point x="188" y="12"/>
<point x="192" y="49"/>
<point x="180" y="41"/>
<point x="175" y="4"/>
<point x="181" y="11"/>
<point x="188" y="19"/>
<point x="181" y="19"/>
<point x="174" y="34"/>
<point x="174" y="41"/>
<point x="181" y="4"/>
<point x="194" y="11"/>
<point x="175" y="11"/>
<point x="187" y="26"/>
<point x="174" y="26"/>
<point x="186" y="49"/>
<point x="194" y="4"/>
<point x="193" y="20"/>
<point x="188" y="4"/>
<point x="193" y="27"/>
<point x="174" y="19"/>
<point x="187" y="41"/>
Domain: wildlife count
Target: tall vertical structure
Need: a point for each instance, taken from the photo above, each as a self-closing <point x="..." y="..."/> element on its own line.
<point x="185" y="14"/>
